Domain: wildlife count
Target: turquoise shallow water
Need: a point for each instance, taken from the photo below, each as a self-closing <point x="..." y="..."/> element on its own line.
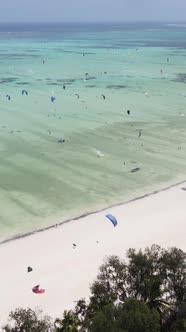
<point x="43" y="182"/>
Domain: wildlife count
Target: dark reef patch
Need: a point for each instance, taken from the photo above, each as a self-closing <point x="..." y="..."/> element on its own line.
<point x="66" y="81"/>
<point x="180" y="77"/>
<point x="88" y="78"/>
<point x="23" y="83"/>
<point x="53" y="83"/>
<point x="75" y="52"/>
<point x="7" y="80"/>
<point x="168" y="44"/>
<point x="90" y="86"/>
<point x="18" y="55"/>
<point x="116" y="86"/>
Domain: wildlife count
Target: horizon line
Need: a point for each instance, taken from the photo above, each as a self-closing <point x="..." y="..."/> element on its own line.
<point x="92" y="21"/>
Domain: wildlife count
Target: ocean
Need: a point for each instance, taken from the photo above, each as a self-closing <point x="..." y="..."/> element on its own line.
<point x="115" y="130"/>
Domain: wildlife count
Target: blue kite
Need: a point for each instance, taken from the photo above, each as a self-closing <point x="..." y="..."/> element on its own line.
<point x="52" y="99"/>
<point x="112" y="219"/>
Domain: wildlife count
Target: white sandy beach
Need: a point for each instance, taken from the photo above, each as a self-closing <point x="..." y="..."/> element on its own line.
<point x="67" y="273"/>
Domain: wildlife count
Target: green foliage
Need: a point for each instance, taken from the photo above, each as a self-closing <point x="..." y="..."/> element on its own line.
<point x="174" y="268"/>
<point x="142" y="279"/>
<point x="136" y="316"/>
<point x="104" y="320"/>
<point x="133" y="316"/>
<point x="180" y="322"/>
<point x="69" y="323"/>
<point x="110" y="285"/>
<point x="155" y="277"/>
<point x="144" y="274"/>
<point x="27" y="320"/>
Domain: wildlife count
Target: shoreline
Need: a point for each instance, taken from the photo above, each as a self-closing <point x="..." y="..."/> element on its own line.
<point x="44" y="229"/>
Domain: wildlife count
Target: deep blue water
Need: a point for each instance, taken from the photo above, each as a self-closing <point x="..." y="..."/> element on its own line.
<point x="159" y="34"/>
<point x="137" y="34"/>
<point x="88" y="27"/>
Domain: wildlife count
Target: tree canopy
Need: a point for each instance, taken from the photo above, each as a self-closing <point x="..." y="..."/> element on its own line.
<point x="155" y="277"/>
<point x="28" y="320"/>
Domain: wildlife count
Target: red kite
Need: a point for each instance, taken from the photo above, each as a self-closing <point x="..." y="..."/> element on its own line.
<point x="36" y="290"/>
